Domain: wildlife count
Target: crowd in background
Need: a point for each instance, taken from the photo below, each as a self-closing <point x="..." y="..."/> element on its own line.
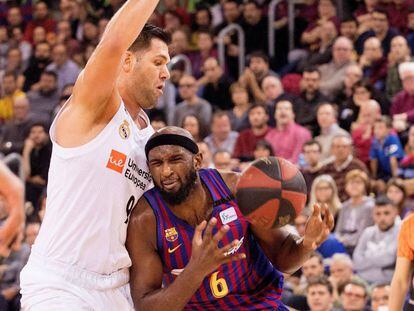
<point x="340" y="105"/>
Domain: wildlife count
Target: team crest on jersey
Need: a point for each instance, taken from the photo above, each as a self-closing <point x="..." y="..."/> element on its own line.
<point x="284" y="220"/>
<point x="171" y="234"/>
<point x="124" y="130"/>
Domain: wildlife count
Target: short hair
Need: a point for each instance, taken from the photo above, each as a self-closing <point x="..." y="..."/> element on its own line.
<point x="221" y="150"/>
<point x="355" y="282"/>
<point x="365" y="83"/>
<point x="349" y="19"/>
<point x="312" y="142"/>
<point x="259" y="54"/>
<point x="399" y="183"/>
<point x="317" y="255"/>
<point x="320" y="280"/>
<point x="149" y="32"/>
<point x="405" y="67"/>
<point x="386" y="120"/>
<point x="259" y="105"/>
<point x="354" y="174"/>
<point x="205" y="32"/>
<point x="312" y="69"/>
<point x="266" y="145"/>
<point x="344" y="258"/>
<point x="9" y="74"/>
<point x="219" y="114"/>
<point x="50" y="73"/>
<point x="335" y="110"/>
<point x="237" y="86"/>
<point x="41" y="124"/>
<point x="255" y="3"/>
<point x="382" y="11"/>
<point x="383" y="200"/>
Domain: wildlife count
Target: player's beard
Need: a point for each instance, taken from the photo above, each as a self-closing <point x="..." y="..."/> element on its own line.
<point x="176" y="198"/>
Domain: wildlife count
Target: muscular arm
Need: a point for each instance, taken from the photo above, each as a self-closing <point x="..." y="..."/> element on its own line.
<point x="96" y="83"/>
<point x="146" y="270"/>
<point x="399" y="284"/>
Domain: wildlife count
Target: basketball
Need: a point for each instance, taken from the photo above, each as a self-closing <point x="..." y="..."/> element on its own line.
<point x="271" y="192"/>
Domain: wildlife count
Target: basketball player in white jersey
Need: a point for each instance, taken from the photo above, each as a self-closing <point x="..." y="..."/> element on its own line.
<point x="98" y="170"/>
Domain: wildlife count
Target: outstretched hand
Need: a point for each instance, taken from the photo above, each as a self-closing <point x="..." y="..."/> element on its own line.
<point x="318" y="226"/>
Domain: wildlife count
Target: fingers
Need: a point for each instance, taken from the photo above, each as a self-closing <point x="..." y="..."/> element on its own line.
<point x="224" y="250"/>
<point x="199" y="231"/>
<point x="329" y="220"/>
<point x="316" y="210"/>
<point x="208" y="232"/>
<point x="220" y="234"/>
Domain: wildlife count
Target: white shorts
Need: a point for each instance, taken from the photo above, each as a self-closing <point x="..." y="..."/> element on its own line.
<point x="47" y="285"/>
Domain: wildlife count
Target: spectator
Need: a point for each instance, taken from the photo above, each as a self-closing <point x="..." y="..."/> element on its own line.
<point x="288" y="137"/>
<point x="217" y="84"/>
<point x="262" y="150"/>
<point x="255" y="27"/>
<point x="402" y="107"/>
<point x="255" y="73"/>
<point x="375" y="254"/>
<point x="310" y="98"/>
<point x="355" y="296"/>
<point x="158" y="122"/>
<point x="312" y="152"/>
<point x="343" y="162"/>
<point x="37" y="151"/>
<point x="380" y="296"/>
<point x="400" y="53"/>
<point x="356" y="213"/>
<point x="172" y="5"/>
<point x="380" y="29"/>
<point x="386" y="150"/>
<point x="10" y="93"/>
<point x="221" y="137"/>
<point x="248" y="138"/>
<point x="205" y="49"/>
<point x="231" y="14"/>
<point x="40" y="18"/>
<point x="326" y="116"/>
<point x="349" y="28"/>
<point x="202" y="18"/>
<point x="67" y="70"/>
<point x="64" y="36"/>
<point x="397" y="193"/>
<point x="362" y="130"/>
<point x="15" y="131"/>
<point x="332" y="73"/>
<point x="25" y="48"/>
<point x="239" y="114"/>
<point x="192" y="124"/>
<point x="319" y="294"/>
<point x="207" y="156"/>
<point x="373" y="63"/>
<point x="31" y="232"/>
<point x="15" y="18"/>
<point x="191" y="104"/>
<point x="44" y="101"/>
<point x="222" y="160"/>
<point x="179" y="42"/>
<point x="353" y="74"/>
<point x="37" y="64"/>
<point x="324" y="191"/>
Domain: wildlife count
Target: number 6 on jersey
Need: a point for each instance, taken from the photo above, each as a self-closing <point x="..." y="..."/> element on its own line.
<point x="218" y="286"/>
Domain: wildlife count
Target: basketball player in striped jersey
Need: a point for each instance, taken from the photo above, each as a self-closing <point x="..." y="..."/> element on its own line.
<point x="232" y="266"/>
<point x="98" y="170"/>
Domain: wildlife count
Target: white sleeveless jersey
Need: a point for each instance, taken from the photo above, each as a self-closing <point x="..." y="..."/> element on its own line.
<point x="91" y="191"/>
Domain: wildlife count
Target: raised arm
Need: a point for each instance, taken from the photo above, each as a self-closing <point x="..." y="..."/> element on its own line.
<point x="96" y="84"/>
<point x="146" y="270"/>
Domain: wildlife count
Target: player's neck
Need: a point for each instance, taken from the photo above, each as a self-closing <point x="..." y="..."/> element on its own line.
<point x="192" y="213"/>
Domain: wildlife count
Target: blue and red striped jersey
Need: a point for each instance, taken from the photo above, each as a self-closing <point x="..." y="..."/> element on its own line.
<point x="249" y="284"/>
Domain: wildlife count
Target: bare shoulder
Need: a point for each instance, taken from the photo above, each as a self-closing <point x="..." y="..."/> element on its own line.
<point x="231" y="179"/>
<point x="142" y="222"/>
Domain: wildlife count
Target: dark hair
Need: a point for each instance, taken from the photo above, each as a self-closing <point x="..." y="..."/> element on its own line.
<point x="258" y="54"/>
<point x="205" y="31"/>
<point x="365" y="84"/>
<point x="399" y="183"/>
<point x="50" y="73"/>
<point x="255" y="3"/>
<point x="320" y="280"/>
<point x="312" y="142"/>
<point x="10" y="74"/>
<point x="382" y="11"/>
<point x="266" y="145"/>
<point x="317" y="255"/>
<point x="349" y="19"/>
<point x="386" y="120"/>
<point x="259" y="105"/>
<point x="312" y="69"/>
<point x="383" y="200"/>
<point x="41" y="124"/>
<point x="148" y="33"/>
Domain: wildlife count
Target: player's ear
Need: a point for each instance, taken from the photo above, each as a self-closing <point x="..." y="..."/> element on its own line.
<point x="198" y="160"/>
<point x="128" y="61"/>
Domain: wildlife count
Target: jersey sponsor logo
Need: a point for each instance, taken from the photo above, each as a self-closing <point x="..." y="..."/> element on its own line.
<point x="235" y="248"/>
<point x="172" y="250"/>
<point x="124" y="130"/>
<point x="228" y="215"/>
<point x="116" y="161"/>
<point x="171" y="234"/>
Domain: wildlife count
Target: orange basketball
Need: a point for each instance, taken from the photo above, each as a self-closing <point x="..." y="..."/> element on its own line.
<point x="271" y="192"/>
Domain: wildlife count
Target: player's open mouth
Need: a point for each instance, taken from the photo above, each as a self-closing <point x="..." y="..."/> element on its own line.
<point x="160" y="88"/>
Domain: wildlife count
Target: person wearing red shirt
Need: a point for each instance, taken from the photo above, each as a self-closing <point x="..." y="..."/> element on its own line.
<point x="40" y="18"/>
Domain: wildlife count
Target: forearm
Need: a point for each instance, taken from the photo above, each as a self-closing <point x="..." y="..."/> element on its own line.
<point x="394" y="166"/>
<point x="26" y="164"/>
<point x="173" y="297"/>
<point x="397" y="296"/>
<point x="258" y="95"/>
<point x="374" y="168"/>
<point x="125" y="26"/>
